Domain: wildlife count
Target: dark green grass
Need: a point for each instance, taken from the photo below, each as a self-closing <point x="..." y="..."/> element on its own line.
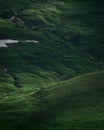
<point x="70" y="35"/>
<point x="72" y="104"/>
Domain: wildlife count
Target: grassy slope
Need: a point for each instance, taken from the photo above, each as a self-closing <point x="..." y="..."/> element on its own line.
<point x="72" y="104"/>
<point x="69" y="44"/>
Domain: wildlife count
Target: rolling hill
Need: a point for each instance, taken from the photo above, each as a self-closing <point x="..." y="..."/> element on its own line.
<point x="72" y="104"/>
<point x="59" y="81"/>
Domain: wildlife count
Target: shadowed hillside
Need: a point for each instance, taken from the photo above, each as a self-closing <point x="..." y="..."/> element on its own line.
<point x="75" y="103"/>
<point x="42" y="85"/>
<point x="70" y="35"/>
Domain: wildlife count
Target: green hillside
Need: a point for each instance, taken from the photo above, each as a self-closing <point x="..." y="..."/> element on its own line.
<point x="70" y="35"/>
<point x="56" y="84"/>
<point x="72" y="104"/>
